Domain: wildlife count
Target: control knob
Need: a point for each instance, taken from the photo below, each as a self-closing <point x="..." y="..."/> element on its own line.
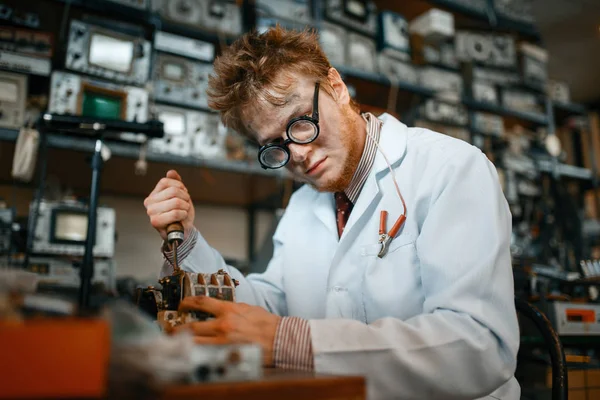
<point x="79" y="32"/>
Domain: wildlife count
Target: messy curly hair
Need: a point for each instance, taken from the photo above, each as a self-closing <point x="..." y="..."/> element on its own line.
<point x="249" y="70"/>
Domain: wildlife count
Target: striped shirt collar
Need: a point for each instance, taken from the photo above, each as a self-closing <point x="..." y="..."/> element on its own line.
<point x="367" y="159"/>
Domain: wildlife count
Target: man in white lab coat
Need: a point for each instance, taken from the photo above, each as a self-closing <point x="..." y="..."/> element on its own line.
<point x="418" y="299"/>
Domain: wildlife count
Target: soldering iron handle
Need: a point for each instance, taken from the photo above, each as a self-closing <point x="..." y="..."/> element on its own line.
<point x="175" y="233"/>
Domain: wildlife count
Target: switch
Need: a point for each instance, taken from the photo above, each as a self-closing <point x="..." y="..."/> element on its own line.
<point x="79" y="32"/>
<point x="139" y="50"/>
<point x="184" y="6"/>
<point x="5" y="12"/>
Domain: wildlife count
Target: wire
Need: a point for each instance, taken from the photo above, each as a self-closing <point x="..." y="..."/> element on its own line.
<point x="390" y="168"/>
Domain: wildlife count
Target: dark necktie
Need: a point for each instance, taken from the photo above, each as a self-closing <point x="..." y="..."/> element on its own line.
<point x="343" y="207"/>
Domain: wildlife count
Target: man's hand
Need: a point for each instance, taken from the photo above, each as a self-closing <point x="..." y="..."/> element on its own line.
<point x="233" y="323"/>
<point x="170" y="202"/>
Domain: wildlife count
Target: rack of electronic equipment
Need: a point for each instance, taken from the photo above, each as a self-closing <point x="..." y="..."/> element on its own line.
<point x="473" y="69"/>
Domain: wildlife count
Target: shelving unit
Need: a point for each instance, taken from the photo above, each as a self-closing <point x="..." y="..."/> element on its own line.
<point x="534" y="118"/>
<point x="132" y="150"/>
<point x="489" y="16"/>
<point x="383" y="80"/>
<point x="484" y="17"/>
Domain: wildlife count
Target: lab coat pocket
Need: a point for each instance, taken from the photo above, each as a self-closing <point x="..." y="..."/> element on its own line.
<point x="373" y="249"/>
<point x="392" y="284"/>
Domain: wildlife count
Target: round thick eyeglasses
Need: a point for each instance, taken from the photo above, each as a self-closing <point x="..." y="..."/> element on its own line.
<point x="300" y="130"/>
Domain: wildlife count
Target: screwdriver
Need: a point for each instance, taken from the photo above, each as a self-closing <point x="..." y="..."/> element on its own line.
<point x="174" y="239"/>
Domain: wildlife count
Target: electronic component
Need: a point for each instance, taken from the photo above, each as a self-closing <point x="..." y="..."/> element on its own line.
<point x="297" y="11"/>
<point x="444" y="112"/>
<point x="61" y="228"/>
<point x="392" y="35"/>
<point x="209" y="136"/>
<point x="62" y="273"/>
<point x="163" y="304"/>
<point x="180" y="81"/>
<point x="440" y="54"/>
<point x="534" y="65"/>
<point x="178" y="131"/>
<point x="139" y="4"/>
<point x="263" y="24"/>
<point x="108" y="54"/>
<point x="484" y="92"/>
<point x="333" y="42"/>
<point x="453" y="131"/>
<point x="519" y="10"/>
<point x="359" y="15"/>
<point x="558" y="91"/>
<point x="496" y="76"/>
<point x="26" y="41"/>
<point x="7" y="216"/>
<point x="362" y="53"/>
<point x="574" y="319"/>
<point x="19" y="16"/>
<point x="489" y="124"/>
<point x="396" y="70"/>
<point x="552" y="145"/>
<point x="434" y="25"/>
<point x="441" y="80"/>
<point x="480" y="6"/>
<point x="184" y="46"/>
<point x="77" y="95"/>
<point x="190" y="133"/>
<point x="520" y="100"/>
<point x="13" y="97"/>
<point x="219" y="16"/>
<point x="227" y="363"/>
<point x="489" y="49"/>
<point x="24" y="63"/>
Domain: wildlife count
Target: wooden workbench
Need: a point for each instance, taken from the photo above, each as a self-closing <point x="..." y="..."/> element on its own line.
<point x="276" y="384"/>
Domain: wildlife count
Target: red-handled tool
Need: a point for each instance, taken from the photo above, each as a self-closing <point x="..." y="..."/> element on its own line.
<point x="385" y="238"/>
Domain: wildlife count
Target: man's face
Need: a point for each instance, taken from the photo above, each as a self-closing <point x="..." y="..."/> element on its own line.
<point x="329" y="162"/>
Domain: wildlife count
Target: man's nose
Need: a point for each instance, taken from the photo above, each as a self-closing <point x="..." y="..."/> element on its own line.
<point x="299" y="152"/>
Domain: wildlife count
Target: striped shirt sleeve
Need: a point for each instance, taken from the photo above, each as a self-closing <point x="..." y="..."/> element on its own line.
<point x="293" y="347"/>
<point x="183" y="250"/>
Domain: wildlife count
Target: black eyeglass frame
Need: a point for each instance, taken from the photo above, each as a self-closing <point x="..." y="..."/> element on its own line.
<point x="314" y="119"/>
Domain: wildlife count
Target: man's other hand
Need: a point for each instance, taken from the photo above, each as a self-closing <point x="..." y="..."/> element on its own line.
<point x="233" y="323"/>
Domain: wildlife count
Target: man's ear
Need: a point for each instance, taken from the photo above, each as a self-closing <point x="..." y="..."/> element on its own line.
<point x="339" y="87"/>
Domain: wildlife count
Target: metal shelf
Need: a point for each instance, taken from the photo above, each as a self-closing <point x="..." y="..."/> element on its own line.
<point x="149" y="19"/>
<point x="381" y="79"/>
<point x="572" y="108"/>
<point x="565" y="340"/>
<point x="536" y="118"/>
<point x="548" y="165"/>
<point x="131" y="150"/>
<point x="9" y="134"/>
<point x="489" y="16"/>
<point x="461" y="9"/>
<point x="564" y="111"/>
<point x="539" y="119"/>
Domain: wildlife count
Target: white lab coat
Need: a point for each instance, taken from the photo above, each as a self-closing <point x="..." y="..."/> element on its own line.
<point x="435" y="318"/>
